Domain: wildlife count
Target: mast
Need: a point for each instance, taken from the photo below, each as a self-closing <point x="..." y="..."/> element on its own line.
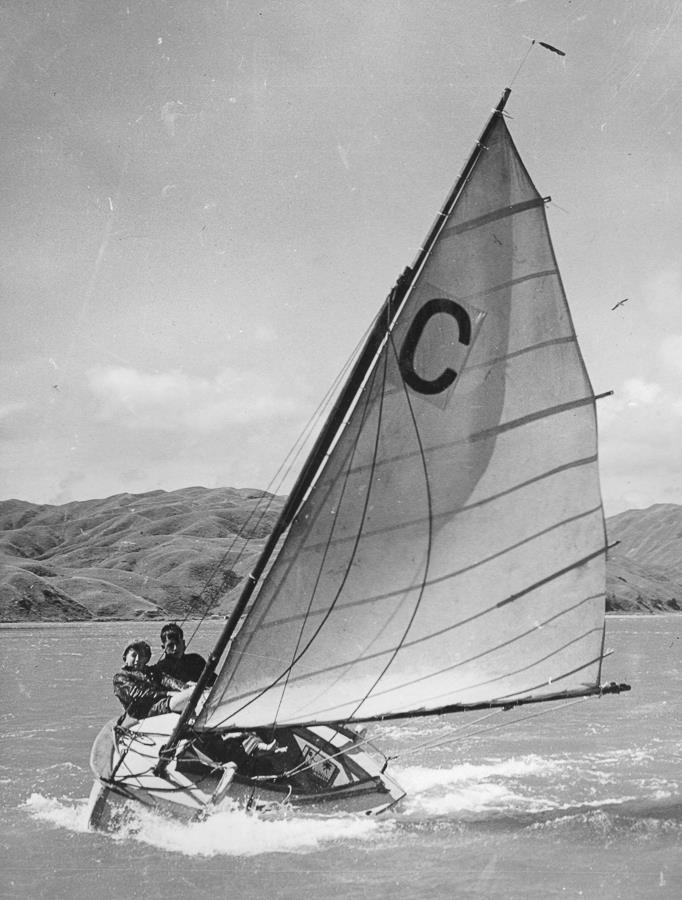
<point x="333" y="424"/>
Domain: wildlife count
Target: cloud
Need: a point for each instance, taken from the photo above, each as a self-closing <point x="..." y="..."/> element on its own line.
<point x="640" y="432"/>
<point x="8" y="409"/>
<point x="670" y="351"/>
<point x="168" y="401"/>
<point x="662" y="292"/>
<point x="637" y="392"/>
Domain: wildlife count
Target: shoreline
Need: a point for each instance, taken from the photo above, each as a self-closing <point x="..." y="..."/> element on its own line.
<point x="217" y="619"/>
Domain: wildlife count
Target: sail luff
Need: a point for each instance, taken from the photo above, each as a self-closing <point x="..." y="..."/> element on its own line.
<point x="451" y="199"/>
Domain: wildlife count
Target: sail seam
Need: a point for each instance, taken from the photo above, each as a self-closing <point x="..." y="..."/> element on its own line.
<point x="550" y="473"/>
<point x="443" y="578"/>
<point x="308" y="675"/>
<point x="502" y="213"/>
<point x="425" y="565"/>
<point x="480" y="684"/>
<point x="525" y="668"/>
<point x="512" y="282"/>
<point x="578" y="463"/>
<point x="295" y="654"/>
<point x="561" y="677"/>
<point x="588" y="691"/>
<point x="286" y="673"/>
<point x="486" y="433"/>
<point x="571" y="339"/>
<point x="411" y="523"/>
<point x="435" y="710"/>
<point x="493" y="361"/>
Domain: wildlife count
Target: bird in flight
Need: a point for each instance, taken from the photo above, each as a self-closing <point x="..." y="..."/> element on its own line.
<point x="620" y="303"/>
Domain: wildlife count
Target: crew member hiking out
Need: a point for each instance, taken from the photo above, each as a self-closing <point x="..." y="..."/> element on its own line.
<point x="174" y="661"/>
<point x="145" y="691"/>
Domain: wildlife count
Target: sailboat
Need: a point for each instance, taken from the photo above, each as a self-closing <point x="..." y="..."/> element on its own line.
<point x="442" y="550"/>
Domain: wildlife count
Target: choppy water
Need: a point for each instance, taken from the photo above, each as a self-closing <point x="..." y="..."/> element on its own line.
<point x="579" y="802"/>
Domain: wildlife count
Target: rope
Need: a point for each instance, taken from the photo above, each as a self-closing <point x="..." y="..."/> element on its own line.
<point x="305" y="766"/>
<point x="428" y="745"/>
<point x="521" y="64"/>
<point x="533" y="42"/>
<point x="390" y="346"/>
<point x="273" y="488"/>
<point x="296" y="655"/>
<point x="449" y="740"/>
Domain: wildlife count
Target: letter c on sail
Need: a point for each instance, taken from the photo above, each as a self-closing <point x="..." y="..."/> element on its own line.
<point x="406" y="359"/>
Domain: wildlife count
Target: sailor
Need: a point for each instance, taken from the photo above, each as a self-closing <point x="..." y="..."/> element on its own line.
<point x="175" y="662"/>
<point x="145" y="691"/>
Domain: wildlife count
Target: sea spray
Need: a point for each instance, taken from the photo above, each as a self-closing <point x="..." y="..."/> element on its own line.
<point x="468" y="789"/>
<point x="232" y="832"/>
<point x="64" y="813"/>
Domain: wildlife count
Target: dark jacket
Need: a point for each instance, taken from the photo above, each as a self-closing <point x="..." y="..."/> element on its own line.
<point x="144" y="692"/>
<point x="188" y="668"/>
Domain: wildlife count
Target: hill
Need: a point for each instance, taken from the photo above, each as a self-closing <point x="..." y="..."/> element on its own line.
<point x="150" y="556"/>
<point x="130" y="556"/>
<point x="644" y="570"/>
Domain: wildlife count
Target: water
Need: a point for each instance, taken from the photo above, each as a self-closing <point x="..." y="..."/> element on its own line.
<point x="579" y="802"/>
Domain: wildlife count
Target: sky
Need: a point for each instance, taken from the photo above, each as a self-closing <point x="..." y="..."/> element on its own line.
<point x="205" y="203"/>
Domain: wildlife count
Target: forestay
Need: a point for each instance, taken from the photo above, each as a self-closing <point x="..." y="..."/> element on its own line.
<point x="452" y="550"/>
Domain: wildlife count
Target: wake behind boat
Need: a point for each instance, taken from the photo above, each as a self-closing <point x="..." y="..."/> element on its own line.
<point x="443" y="548"/>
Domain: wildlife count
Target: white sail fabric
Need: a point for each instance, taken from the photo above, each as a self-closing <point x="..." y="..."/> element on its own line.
<point x="452" y="550"/>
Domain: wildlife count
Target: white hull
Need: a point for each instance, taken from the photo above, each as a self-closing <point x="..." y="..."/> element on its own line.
<point x="322" y="770"/>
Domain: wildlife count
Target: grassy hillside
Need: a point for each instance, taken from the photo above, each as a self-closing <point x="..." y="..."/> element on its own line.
<point x="151" y="555"/>
<point x="644" y="570"/>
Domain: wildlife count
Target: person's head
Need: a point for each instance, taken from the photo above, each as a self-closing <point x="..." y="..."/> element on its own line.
<point x="172" y="640"/>
<point x="137" y="654"/>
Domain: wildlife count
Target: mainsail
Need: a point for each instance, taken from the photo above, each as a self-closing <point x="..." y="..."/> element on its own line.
<point x="451" y="552"/>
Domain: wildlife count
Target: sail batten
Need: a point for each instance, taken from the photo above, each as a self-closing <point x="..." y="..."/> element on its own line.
<point x="451" y="550"/>
<point x="506" y="285"/>
<point x="596" y="510"/>
<point x="558" y="409"/>
<point x="493" y="216"/>
<point x="601" y="551"/>
<point x="452" y="627"/>
<point x="543" y="659"/>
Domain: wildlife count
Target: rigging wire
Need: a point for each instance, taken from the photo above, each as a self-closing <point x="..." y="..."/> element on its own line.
<point x="451" y="740"/>
<point x="312" y="637"/>
<point x="457" y="734"/>
<point x="533" y="42"/>
<point x="521" y="64"/>
<point x="295" y="654"/>
<point x="429" y="541"/>
<point x="274" y="487"/>
<point x="370" y="376"/>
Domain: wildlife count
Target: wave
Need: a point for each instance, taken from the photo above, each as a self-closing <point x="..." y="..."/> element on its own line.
<point x="71" y="815"/>
<point x="232" y="832"/>
<point x="539" y="785"/>
<point x="470" y="788"/>
<point x="458" y="806"/>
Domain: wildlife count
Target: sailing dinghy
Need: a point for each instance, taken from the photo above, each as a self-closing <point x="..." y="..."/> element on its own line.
<point x="442" y="550"/>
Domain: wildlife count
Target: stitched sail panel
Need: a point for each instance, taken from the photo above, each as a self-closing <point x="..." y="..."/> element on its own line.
<point x="452" y="549"/>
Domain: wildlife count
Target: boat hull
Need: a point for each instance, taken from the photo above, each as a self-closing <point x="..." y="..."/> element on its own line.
<point x="320" y="770"/>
